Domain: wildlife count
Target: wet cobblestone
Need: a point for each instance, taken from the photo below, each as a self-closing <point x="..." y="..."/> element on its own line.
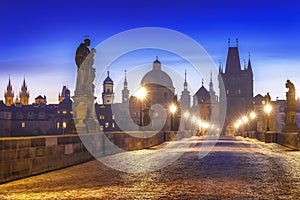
<point x="236" y="168"/>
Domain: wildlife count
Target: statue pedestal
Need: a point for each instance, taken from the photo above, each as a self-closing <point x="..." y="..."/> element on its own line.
<point x="291" y="124"/>
<point x="84" y="114"/>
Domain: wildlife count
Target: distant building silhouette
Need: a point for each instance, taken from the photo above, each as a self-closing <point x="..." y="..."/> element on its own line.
<point x="18" y="118"/>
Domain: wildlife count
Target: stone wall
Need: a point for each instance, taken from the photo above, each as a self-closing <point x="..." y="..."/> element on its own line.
<point x="291" y="140"/>
<point x="25" y="156"/>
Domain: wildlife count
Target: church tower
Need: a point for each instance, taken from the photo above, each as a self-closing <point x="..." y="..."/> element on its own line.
<point x="185" y="99"/>
<point x="108" y="93"/>
<point x="65" y="94"/>
<point x="211" y="89"/>
<point x="236" y="97"/>
<point x="125" y="91"/>
<point x="24" y="94"/>
<point x="9" y="94"/>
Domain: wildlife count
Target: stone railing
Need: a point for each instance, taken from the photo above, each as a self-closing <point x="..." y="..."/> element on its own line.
<point x="291" y="140"/>
<point x="25" y="156"/>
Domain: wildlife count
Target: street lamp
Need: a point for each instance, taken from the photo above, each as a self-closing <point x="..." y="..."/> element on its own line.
<point x="141" y="94"/>
<point x="172" y="109"/>
<point x="268" y="109"/>
<point x="252" y="115"/>
<point x="186" y="116"/>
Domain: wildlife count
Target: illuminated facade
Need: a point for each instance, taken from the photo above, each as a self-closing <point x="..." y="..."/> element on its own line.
<point x="18" y="118"/>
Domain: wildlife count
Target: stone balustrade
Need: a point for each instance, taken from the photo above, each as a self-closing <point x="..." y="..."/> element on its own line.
<point x="25" y="156"/>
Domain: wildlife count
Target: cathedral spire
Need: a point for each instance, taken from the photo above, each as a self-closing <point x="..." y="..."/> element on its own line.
<point x="185" y="95"/>
<point x="9" y="94"/>
<point x="24" y="94"/>
<point x="125" y="91"/>
<point x="211" y="85"/>
<point x="249" y="66"/>
<point x="185" y="84"/>
<point x="125" y="81"/>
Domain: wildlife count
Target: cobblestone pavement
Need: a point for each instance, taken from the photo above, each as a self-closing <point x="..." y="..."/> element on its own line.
<point x="236" y="168"/>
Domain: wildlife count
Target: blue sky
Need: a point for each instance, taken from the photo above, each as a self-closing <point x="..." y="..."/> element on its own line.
<point x="39" y="38"/>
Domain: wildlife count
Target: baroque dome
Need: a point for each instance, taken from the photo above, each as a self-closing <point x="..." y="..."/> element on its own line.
<point x="157" y="76"/>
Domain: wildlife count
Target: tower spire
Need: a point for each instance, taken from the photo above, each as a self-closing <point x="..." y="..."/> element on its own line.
<point x="211" y="87"/>
<point x="24" y="94"/>
<point x="237" y="42"/>
<point x="9" y="94"/>
<point x="125" y="81"/>
<point x="185" y="84"/>
<point x="228" y="42"/>
<point x="125" y="91"/>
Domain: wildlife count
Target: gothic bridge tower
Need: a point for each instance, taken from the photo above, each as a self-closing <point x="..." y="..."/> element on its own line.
<point x="237" y="95"/>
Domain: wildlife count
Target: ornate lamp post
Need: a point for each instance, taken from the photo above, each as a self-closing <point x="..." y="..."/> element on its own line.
<point x="186" y="115"/>
<point x="141" y="94"/>
<point x="268" y="109"/>
<point x="172" y="109"/>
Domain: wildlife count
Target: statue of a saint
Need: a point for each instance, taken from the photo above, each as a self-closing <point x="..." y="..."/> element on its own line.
<point x="290" y="109"/>
<point x="291" y="94"/>
<point x="84" y="59"/>
<point x="268" y="98"/>
<point x="82" y="52"/>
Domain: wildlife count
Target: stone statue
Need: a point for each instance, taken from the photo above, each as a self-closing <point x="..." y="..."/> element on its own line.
<point x="291" y="94"/>
<point x="268" y="98"/>
<point x="82" y="52"/>
<point x="290" y="109"/>
<point x="84" y="115"/>
<point x="84" y="59"/>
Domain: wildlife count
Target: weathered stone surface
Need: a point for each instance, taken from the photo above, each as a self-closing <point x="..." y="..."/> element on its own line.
<point x="38" y="142"/>
<point x="68" y="149"/>
<point x="33" y="155"/>
<point x="63" y="140"/>
<point x="235" y="168"/>
<point x="51" y="141"/>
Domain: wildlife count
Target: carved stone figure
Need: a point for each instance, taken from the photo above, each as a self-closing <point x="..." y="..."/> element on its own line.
<point x="84" y="98"/>
<point x="82" y="52"/>
<point x="84" y="59"/>
<point x="268" y="98"/>
<point x="290" y="95"/>
<point x="290" y="109"/>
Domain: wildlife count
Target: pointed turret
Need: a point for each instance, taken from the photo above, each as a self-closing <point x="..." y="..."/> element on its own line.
<point x="108" y="93"/>
<point x="65" y="94"/>
<point x="125" y="91"/>
<point x="24" y="94"/>
<point x="185" y="98"/>
<point x="249" y="66"/>
<point x="185" y="84"/>
<point x="233" y="65"/>
<point x="9" y="94"/>
<point x="211" y="85"/>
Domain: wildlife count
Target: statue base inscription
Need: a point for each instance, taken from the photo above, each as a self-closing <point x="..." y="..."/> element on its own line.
<point x="290" y="125"/>
<point x="84" y="108"/>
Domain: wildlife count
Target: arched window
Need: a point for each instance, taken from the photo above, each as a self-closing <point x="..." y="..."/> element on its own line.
<point x="30" y="115"/>
<point x="19" y="115"/>
<point x="41" y="115"/>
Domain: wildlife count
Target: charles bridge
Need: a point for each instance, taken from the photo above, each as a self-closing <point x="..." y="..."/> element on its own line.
<point x="237" y="167"/>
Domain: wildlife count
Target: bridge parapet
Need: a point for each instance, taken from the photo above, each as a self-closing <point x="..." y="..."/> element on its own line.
<point x="25" y="156"/>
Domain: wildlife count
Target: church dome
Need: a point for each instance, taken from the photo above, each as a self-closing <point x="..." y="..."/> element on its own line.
<point x="157" y="76"/>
